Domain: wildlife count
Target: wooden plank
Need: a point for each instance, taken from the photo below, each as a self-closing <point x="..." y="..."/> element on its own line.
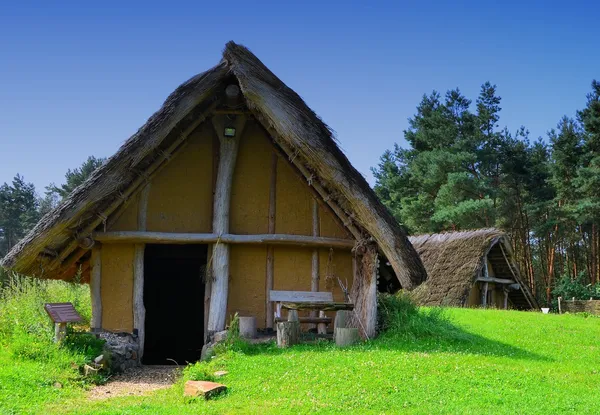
<point x="301" y="296"/>
<point x="227" y="238"/>
<point x="312" y="320"/>
<point x="324" y="306"/>
<point x="62" y="312"/>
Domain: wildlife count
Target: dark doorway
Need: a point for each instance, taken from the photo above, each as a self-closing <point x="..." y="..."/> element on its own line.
<point x="174" y="301"/>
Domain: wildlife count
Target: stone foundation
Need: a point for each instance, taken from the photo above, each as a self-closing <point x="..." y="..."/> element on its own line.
<point x="122" y="350"/>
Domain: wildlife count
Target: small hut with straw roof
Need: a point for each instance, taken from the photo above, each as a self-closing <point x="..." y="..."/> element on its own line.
<point x="233" y="188"/>
<point x="470" y="269"/>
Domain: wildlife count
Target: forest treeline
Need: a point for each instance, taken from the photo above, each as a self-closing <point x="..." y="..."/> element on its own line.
<point x="21" y="206"/>
<point x="461" y="171"/>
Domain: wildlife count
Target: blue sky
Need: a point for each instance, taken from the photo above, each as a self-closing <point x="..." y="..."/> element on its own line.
<point x="78" y="80"/>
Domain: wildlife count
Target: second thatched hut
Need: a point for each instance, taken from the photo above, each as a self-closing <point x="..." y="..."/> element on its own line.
<point x="470" y="269"/>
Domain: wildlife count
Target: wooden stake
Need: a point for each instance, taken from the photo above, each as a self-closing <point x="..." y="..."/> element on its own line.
<point x="95" y="288"/>
<point x="270" y="277"/>
<point x="228" y="150"/>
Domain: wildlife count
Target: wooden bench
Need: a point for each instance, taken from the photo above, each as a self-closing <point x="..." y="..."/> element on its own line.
<point x="280" y="297"/>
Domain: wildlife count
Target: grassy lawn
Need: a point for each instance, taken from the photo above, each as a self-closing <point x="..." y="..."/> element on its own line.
<point x="480" y="361"/>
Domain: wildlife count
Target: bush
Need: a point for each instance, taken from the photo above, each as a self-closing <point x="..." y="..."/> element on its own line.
<point x="567" y="288"/>
<point x="398" y="316"/>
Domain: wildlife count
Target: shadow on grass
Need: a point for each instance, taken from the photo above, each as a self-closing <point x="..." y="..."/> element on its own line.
<point x="406" y="328"/>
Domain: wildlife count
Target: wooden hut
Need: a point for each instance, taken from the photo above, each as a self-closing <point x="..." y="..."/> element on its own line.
<point x="233" y="188"/>
<point x="471" y="269"/>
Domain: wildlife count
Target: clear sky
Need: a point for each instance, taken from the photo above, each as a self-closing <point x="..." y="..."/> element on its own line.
<point x="78" y="80"/>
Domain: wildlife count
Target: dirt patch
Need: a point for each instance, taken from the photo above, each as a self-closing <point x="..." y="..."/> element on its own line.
<point x="137" y="381"/>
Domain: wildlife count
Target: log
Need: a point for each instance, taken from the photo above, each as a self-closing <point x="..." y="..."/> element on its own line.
<point x="270" y="272"/>
<point x="287" y="333"/>
<point x="364" y="293"/>
<point x="228" y="150"/>
<point x="342" y="317"/>
<point x="187" y="238"/>
<point x="247" y="327"/>
<point x="293" y="315"/>
<point x="314" y="280"/>
<point x="95" y="288"/>
<point x="346" y="336"/>
<point x="139" y="310"/>
<point x="484" y="290"/>
<point x="322" y="326"/>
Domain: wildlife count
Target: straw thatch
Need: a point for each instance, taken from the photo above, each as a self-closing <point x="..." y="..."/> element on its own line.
<point x="454" y="260"/>
<point x="290" y="122"/>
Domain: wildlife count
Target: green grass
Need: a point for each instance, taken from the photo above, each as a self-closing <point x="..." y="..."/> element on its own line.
<point x="459" y="361"/>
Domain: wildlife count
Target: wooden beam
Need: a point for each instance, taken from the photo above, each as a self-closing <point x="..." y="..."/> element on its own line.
<point x="496" y="280"/>
<point x="95" y="287"/>
<point x="228" y="150"/>
<point x="270" y="272"/>
<point x="204" y="238"/>
<point x="139" y="310"/>
<point x="159" y="163"/>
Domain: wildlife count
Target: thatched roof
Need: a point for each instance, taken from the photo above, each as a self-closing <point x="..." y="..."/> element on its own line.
<point x="279" y="110"/>
<point x="454" y="261"/>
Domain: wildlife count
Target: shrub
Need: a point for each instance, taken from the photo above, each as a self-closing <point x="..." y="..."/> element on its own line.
<point x="567" y="288"/>
<point x="398" y="316"/>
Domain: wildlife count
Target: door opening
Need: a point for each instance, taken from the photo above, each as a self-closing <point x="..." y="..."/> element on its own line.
<point x="174" y="301"/>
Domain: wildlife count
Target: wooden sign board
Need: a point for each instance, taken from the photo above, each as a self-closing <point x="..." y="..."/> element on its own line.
<point x="62" y="312"/>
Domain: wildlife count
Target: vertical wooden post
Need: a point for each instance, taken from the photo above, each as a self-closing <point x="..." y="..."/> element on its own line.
<point x="505" y="299"/>
<point x="314" y="280"/>
<point x="270" y="277"/>
<point x="95" y="286"/>
<point x="364" y="293"/>
<point x="60" y="332"/>
<point x="484" y="290"/>
<point x="228" y="150"/>
<point x="139" y="310"/>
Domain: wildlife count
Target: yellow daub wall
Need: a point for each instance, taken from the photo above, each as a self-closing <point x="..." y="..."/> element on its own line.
<point x="117" y="287"/>
<point x="180" y="200"/>
<point x="251" y="180"/>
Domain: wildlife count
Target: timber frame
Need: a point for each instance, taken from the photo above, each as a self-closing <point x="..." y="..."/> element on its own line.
<point x="69" y="239"/>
